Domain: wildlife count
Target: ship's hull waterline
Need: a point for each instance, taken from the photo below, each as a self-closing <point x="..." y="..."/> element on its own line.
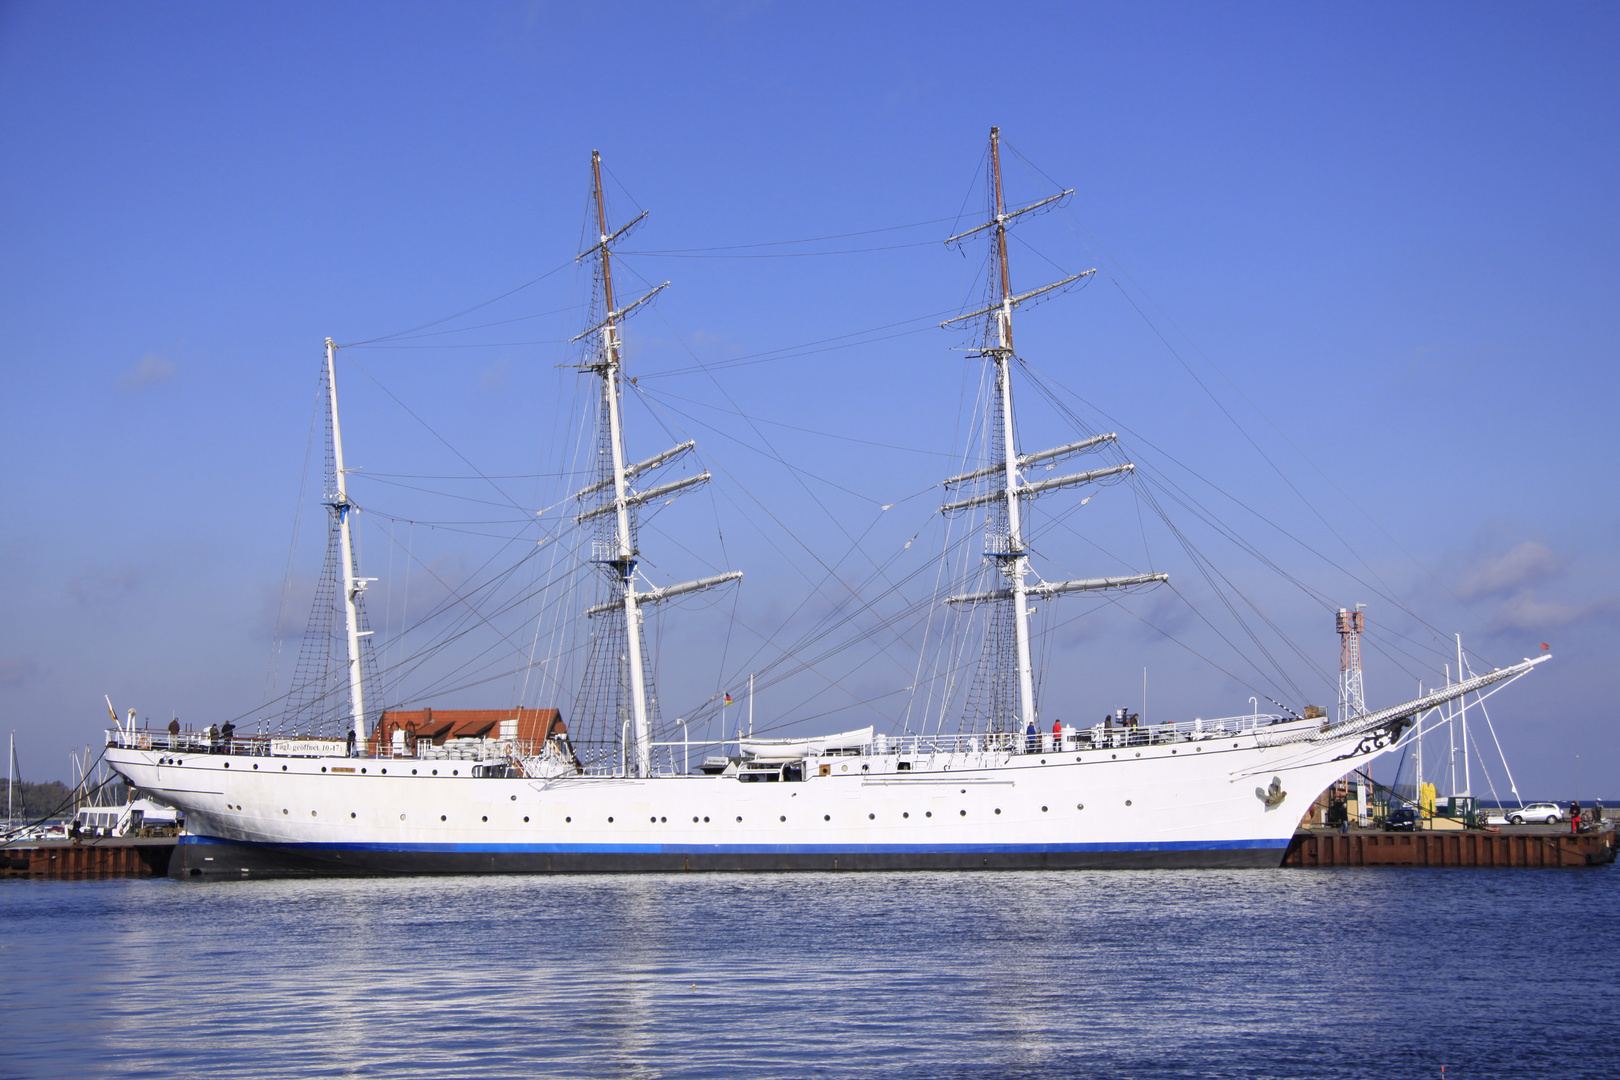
<point x="1192" y="804"/>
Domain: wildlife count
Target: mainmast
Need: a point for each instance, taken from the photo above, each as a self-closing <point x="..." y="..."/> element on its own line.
<point x="1006" y="546"/>
<point x="619" y="555"/>
<point x="353" y="586"/>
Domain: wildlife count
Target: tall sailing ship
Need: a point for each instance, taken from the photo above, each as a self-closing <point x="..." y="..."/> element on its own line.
<point x="519" y="794"/>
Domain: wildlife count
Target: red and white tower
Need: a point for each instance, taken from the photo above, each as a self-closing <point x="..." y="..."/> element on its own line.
<point x="1352" y="694"/>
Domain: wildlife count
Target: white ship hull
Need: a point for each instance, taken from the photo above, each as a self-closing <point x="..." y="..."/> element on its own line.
<point x="1190" y="803"/>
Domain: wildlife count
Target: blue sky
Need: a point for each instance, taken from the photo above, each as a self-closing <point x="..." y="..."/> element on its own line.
<point x="1381" y="237"/>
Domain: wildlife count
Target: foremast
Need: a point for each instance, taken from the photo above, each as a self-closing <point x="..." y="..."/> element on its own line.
<point x="1005" y="542"/>
<point x="618" y="556"/>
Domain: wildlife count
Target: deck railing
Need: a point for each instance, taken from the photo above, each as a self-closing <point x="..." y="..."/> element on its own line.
<point x="1072" y="740"/>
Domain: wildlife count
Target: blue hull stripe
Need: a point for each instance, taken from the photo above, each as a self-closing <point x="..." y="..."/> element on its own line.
<point x="753" y="849"/>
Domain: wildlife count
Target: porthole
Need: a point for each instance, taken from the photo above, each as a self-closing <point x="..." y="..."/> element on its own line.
<point x="323" y="768"/>
<point x="843" y="768"/>
<point x="453" y="772"/>
<point x="664" y="819"/>
<point x="824" y="817"/>
<point x="228" y="765"/>
<point x="312" y="813"/>
<point x="1080" y="806"/>
<point x="1234" y="746"/>
<point x="525" y="821"/>
<point x="1172" y="751"/>
<point x="905" y="814"/>
<point x="283" y="811"/>
<point x="964" y="812"/>
<point x="255" y="767"/>
<point x="484" y="818"/>
<point x="1127" y="802"/>
<point x="739" y="821"/>
<point x="705" y="821"/>
<point x="435" y="772"/>
<point x="441" y="817"/>
<point x="413" y="772"/>
<point x="1043" y="809"/>
<point x="362" y="772"/>
<point x="998" y="810"/>
<point x="284" y="768"/>
<point x="784" y="817"/>
<point x="514" y="798"/>
<point x="694" y="819"/>
<point x="401" y="817"/>
<point x="1077" y="757"/>
<point x="653" y="819"/>
<point x="570" y="821"/>
<point x="1198" y="749"/>
<point x="1043" y="761"/>
<point x="1139" y="753"/>
<point x="928" y="813"/>
<point x="384" y="772"/>
<point x="610" y="821"/>
<point x="1114" y="757"/>
<point x="871" y="817"/>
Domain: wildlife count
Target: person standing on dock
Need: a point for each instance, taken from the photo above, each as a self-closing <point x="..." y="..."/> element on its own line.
<point x="1574" y="816"/>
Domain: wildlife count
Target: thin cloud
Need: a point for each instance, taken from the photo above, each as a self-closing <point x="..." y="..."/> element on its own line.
<point x="149" y="371"/>
<point x="100" y="589"/>
<point x="1528" y="564"/>
<point x="1524" y="611"/>
<point x="18" y="670"/>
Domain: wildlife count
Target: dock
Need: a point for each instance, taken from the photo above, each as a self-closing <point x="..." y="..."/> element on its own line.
<point x="63" y="860"/>
<point x="1518" y="849"/>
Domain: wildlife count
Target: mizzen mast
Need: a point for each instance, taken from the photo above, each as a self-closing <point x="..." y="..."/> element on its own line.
<point x="1006" y="547"/>
<point x="353" y="585"/>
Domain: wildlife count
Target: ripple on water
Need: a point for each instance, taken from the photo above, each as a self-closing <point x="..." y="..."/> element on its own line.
<point x="1246" y="974"/>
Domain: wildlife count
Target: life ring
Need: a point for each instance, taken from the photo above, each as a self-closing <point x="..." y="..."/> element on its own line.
<point x="144" y="742"/>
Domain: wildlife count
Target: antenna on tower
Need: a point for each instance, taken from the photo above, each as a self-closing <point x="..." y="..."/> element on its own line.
<point x="1352" y="693"/>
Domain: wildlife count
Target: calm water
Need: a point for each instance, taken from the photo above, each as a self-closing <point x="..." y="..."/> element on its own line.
<point x="1289" y="973"/>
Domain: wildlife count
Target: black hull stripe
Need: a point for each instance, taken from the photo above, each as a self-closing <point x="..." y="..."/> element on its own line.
<point x="224" y="859"/>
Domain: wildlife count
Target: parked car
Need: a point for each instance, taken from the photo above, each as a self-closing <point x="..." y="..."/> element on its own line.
<point x="1401" y="819"/>
<point x="1537" y="813"/>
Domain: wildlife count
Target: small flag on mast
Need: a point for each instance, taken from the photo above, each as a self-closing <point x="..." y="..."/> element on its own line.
<point x="728" y="699"/>
<point x="1546" y="647"/>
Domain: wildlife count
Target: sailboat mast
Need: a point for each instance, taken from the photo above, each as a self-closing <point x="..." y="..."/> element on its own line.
<point x="1016" y="563"/>
<point x="352" y="585"/>
<point x="625" y="563"/>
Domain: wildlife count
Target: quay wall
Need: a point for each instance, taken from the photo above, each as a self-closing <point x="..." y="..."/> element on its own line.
<point x="63" y="860"/>
<point x="1451" y="848"/>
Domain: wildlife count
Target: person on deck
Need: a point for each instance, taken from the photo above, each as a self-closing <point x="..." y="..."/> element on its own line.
<point x="1057" y="736"/>
<point x="213" y="738"/>
<point x="349" y="748"/>
<point x="174" y="733"/>
<point x="225" y="734"/>
<point x="1032" y="740"/>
